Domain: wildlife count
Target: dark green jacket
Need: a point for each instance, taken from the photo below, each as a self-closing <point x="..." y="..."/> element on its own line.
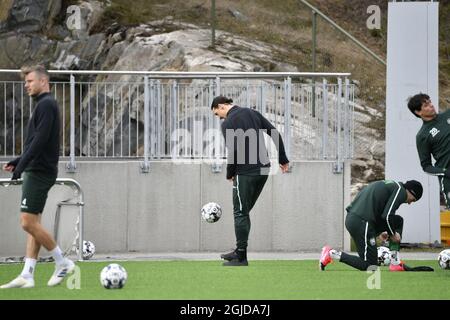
<point x="377" y="203"/>
<point x="433" y="139"/>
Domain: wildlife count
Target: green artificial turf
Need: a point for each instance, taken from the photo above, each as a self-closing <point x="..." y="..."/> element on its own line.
<point x="209" y="280"/>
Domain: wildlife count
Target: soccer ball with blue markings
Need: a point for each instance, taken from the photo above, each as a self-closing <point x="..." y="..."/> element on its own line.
<point x="211" y="212"/>
<point x="444" y="259"/>
<point x="113" y="276"/>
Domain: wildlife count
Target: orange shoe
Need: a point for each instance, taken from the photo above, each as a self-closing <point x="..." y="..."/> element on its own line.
<point x="398" y="267"/>
<point x="325" y="258"/>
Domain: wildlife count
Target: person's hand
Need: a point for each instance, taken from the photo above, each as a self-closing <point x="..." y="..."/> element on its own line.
<point x="231" y="179"/>
<point x="384" y="236"/>
<point x="396" y="237"/>
<point x="284" y="167"/>
<point x="8" y="167"/>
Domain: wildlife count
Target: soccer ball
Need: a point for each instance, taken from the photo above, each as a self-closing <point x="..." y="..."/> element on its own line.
<point x="444" y="259"/>
<point x="88" y="249"/>
<point x="113" y="276"/>
<point x="211" y="212"/>
<point x="384" y="256"/>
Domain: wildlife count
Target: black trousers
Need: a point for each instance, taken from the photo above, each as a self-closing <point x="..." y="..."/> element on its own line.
<point x="246" y="190"/>
<point x="364" y="234"/>
<point x="445" y="189"/>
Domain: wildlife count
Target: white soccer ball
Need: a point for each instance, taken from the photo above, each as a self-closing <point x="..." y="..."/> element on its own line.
<point x="211" y="212"/>
<point x="113" y="276"/>
<point x="384" y="256"/>
<point x="88" y="249"/>
<point x="444" y="259"/>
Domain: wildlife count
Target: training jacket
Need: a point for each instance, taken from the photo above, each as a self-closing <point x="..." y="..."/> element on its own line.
<point x="377" y="202"/>
<point x="243" y="130"/>
<point x="433" y="139"/>
<point x="41" y="148"/>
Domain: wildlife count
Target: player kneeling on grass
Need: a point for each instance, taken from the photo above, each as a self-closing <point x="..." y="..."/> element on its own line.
<point x="372" y="213"/>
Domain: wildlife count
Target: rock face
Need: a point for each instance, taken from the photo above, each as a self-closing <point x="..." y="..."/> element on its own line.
<point x="41" y="31"/>
<point x="31" y="15"/>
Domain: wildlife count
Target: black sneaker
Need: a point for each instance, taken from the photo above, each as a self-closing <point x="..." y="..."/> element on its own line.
<point x="236" y="263"/>
<point x="230" y="256"/>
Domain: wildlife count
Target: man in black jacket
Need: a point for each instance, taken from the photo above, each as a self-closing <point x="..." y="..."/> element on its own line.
<point x="39" y="166"/>
<point x="248" y="165"/>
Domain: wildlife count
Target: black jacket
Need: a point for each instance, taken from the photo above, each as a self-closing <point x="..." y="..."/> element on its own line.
<point x="41" y="148"/>
<point x="244" y="130"/>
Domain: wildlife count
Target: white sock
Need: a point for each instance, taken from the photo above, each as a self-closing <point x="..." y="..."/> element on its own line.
<point x="395" y="258"/>
<point x="335" y="254"/>
<point x="57" y="255"/>
<point x="28" y="269"/>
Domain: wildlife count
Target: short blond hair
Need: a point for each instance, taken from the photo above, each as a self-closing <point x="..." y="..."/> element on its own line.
<point x="39" y="69"/>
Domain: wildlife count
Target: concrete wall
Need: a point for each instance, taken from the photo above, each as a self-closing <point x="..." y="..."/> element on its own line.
<point x="412" y="67"/>
<point x="126" y="210"/>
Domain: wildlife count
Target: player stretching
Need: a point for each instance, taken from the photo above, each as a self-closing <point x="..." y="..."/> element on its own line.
<point x="372" y="213"/>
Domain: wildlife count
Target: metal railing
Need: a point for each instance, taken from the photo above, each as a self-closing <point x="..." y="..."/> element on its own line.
<point x="166" y="115"/>
<point x="77" y="242"/>
<point x="316" y="12"/>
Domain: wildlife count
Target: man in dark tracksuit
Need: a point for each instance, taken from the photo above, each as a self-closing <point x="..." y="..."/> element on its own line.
<point x="38" y="165"/>
<point x="248" y="165"/>
<point x="372" y="213"/>
<point x="433" y="139"/>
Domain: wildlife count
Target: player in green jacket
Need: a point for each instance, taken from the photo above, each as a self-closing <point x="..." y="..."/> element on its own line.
<point x="372" y="213"/>
<point x="433" y="139"/>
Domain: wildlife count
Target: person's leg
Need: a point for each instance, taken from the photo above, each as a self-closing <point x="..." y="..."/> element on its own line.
<point x="394" y="247"/>
<point x="364" y="236"/>
<point x="33" y="246"/>
<point x="26" y="277"/>
<point x="31" y="255"/>
<point x="35" y="190"/>
<point x="445" y="190"/>
<point x="31" y="224"/>
<point x="246" y="190"/>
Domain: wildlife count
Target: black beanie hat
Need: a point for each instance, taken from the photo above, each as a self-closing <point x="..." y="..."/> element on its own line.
<point x="415" y="187"/>
<point x="220" y="100"/>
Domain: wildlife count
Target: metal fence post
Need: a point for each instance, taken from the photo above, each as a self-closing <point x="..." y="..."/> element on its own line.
<point x="287" y="115"/>
<point x="213" y="23"/>
<point x="145" y="166"/>
<point x="216" y="166"/>
<point x="262" y="99"/>
<point x="325" y="118"/>
<point x="338" y="167"/>
<point x="346" y="150"/>
<point x="157" y="122"/>
<point x="173" y="118"/>
<point x="314" y="39"/>
<point x="71" y="166"/>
